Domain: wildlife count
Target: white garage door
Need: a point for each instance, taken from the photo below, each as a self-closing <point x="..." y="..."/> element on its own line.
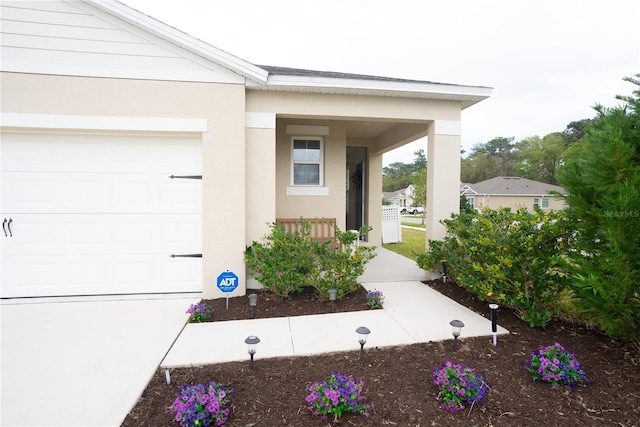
<point x="87" y="214"/>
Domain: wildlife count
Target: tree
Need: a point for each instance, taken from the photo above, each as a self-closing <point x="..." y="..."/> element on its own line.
<point x="540" y="158"/>
<point x="399" y="175"/>
<point x="603" y="181"/>
<point x="575" y="130"/>
<point x="494" y="158"/>
<point x="396" y="176"/>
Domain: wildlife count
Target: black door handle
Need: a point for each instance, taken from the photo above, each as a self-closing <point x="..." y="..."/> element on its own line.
<point x="9" y="227"/>
<point x="4" y="223"/>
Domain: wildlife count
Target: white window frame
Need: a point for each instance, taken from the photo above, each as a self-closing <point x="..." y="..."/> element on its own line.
<point x="471" y="201"/>
<point x="319" y="162"/>
<point x="541" y="202"/>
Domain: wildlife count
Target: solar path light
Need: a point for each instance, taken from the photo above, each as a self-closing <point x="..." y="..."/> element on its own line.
<point x="362" y="332"/>
<point x="252" y="342"/>
<point x="494" y="322"/>
<point x="456" y="326"/>
<point x="332" y="298"/>
<point x="444" y="271"/>
<point x="253" y="301"/>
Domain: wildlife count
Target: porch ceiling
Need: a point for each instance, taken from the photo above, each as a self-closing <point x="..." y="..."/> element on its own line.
<point x="383" y="135"/>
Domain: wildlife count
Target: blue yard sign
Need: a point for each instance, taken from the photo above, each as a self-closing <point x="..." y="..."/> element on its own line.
<point x="227" y="282"/>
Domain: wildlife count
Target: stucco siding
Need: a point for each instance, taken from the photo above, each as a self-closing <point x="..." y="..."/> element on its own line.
<point x="223" y="145"/>
<point x="348" y="106"/>
<point x="516" y="202"/>
<point x="334" y="161"/>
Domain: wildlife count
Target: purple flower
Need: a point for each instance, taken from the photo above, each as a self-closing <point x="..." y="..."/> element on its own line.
<point x="375" y="299"/>
<point x="554" y="364"/>
<point x="201" y="404"/>
<point x="337" y="395"/>
<point x="200" y="312"/>
<point x="457" y="385"/>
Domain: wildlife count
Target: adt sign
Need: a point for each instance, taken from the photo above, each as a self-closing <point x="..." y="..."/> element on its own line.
<point x="227" y="282"/>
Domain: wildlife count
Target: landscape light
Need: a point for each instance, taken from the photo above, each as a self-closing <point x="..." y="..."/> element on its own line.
<point x="253" y="300"/>
<point x="494" y="322"/>
<point x="252" y="342"/>
<point x="444" y="271"/>
<point x="362" y="332"/>
<point x="332" y="298"/>
<point x="456" y="326"/>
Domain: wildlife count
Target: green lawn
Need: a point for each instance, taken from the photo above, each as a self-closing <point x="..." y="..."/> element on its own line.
<point x="412" y="241"/>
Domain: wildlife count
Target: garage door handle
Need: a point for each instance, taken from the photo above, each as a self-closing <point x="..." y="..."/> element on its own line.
<point x="7" y="224"/>
<point x="185" y="176"/>
<point x="186" y="256"/>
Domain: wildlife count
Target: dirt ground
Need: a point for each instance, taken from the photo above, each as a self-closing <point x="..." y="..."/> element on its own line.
<point x="398" y="380"/>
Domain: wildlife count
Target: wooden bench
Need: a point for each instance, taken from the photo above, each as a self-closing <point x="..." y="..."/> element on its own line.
<point x="321" y="230"/>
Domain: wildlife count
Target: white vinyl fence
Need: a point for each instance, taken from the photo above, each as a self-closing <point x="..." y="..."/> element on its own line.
<point x="391" y="225"/>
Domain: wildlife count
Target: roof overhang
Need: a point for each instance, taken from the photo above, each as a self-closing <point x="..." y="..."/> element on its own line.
<point x="467" y="95"/>
<point x="280" y="79"/>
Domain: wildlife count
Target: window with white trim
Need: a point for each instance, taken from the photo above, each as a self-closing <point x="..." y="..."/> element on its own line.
<point x="545" y="202"/>
<point x="471" y="202"/>
<point x="307" y="161"/>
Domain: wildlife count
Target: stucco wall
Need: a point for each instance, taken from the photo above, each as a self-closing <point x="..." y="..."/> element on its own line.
<point x="222" y="106"/>
<point x="517" y="202"/>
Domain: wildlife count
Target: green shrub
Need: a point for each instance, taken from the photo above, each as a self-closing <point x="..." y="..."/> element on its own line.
<point x="285" y="263"/>
<point x="602" y="177"/>
<point x="288" y="262"/>
<point x="517" y="259"/>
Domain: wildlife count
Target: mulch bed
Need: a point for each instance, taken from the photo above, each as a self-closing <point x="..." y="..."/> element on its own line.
<point x="398" y="380"/>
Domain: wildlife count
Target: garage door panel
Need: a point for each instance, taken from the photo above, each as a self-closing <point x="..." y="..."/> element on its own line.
<point x="43" y="192"/>
<point x="69" y="234"/>
<point x="90" y="153"/>
<point x="97" y="214"/>
<point x="57" y="275"/>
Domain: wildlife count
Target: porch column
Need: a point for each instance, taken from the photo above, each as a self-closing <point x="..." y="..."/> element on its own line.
<point x="443" y="176"/>
<point x="260" y="139"/>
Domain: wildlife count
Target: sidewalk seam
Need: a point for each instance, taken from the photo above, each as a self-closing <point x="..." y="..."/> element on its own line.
<point x="293" y="346"/>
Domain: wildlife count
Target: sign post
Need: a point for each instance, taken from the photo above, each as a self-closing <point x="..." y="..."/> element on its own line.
<point x="227" y="282"/>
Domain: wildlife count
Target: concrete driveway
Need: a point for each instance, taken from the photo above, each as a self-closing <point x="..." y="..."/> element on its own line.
<point x="82" y="363"/>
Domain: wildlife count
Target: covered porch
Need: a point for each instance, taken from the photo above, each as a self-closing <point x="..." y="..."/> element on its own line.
<point x="339" y="138"/>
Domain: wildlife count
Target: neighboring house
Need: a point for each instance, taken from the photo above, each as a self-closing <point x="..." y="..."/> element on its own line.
<point x="139" y="160"/>
<point x="513" y="192"/>
<point x="402" y="197"/>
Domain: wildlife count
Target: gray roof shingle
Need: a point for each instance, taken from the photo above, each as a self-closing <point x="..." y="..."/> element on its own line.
<point x="513" y="185"/>
<point x="284" y="71"/>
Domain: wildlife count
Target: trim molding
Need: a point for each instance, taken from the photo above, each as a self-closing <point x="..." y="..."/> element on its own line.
<point x="148" y="124"/>
<point x="260" y="120"/>
<point x="307" y="130"/>
<point x="448" y="127"/>
<point x="307" y="191"/>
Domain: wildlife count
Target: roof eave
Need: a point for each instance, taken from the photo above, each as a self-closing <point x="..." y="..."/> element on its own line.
<point x="468" y="95"/>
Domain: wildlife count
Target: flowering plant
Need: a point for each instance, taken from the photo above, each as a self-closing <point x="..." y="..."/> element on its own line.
<point x="338" y="395"/>
<point x="201" y="405"/>
<point x="557" y="366"/>
<point x="375" y="299"/>
<point x="200" y="312"/>
<point x="458" y="384"/>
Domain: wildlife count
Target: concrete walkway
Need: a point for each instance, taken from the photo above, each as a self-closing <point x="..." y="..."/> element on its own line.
<point x="412" y="313"/>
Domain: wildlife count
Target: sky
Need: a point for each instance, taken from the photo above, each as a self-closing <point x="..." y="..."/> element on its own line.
<point x="548" y="61"/>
